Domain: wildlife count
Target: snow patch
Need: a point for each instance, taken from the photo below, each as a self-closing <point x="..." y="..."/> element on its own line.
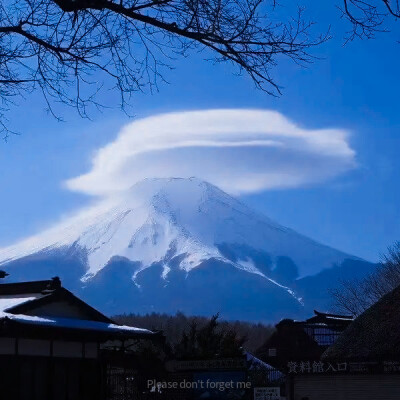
<point x="161" y="219"/>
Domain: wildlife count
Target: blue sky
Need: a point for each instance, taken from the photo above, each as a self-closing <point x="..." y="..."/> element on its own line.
<point x="353" y="88"/>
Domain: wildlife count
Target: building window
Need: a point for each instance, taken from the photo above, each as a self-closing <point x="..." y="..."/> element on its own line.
<point x="322" y="335"/>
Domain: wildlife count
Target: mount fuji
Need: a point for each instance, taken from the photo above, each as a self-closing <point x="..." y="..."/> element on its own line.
<point x="183" y="244"/>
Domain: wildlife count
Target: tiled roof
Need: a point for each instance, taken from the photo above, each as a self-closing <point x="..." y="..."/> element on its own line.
<point x="17" y="300"/>
<point x="72" y="323"/>
<point x="9" y="301"/>
<point x="29" y="287"/>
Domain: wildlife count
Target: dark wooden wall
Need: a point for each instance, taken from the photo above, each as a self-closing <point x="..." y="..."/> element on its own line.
<point x="42" y="378"/>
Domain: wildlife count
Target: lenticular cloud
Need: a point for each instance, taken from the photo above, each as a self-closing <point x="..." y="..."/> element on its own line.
<point x="239" y="150"/>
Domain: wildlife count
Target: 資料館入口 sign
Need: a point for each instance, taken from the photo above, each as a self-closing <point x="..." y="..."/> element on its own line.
<point x="267" y="393"/>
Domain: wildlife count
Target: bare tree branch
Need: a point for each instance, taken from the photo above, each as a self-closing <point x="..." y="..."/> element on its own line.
<point x="368" y="16"/>
<point x="356" y="296"/>
<point x="60" y="46"/>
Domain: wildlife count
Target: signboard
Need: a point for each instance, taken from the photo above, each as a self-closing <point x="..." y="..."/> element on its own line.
<point x="217" y="364"/>
<point x="267" y="393"/>
<point x="218" y="385"/>
<point x="323" y="367"/>
<point x="315" y="367"/>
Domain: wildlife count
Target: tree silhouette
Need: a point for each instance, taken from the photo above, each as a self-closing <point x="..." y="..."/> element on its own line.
<point x="354" y="297"/>
<point x="369" y="16"/>
<point x="59" y="46"/>
<point x="209" y="341"/>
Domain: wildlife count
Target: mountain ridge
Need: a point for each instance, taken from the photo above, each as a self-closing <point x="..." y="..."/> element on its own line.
<point x="164" y="231"/>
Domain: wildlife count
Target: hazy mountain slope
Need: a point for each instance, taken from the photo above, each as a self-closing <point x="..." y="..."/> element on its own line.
<point x="174" y="244"/>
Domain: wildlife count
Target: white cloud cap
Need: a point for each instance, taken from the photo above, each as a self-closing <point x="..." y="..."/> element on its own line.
<point x="239" y="150"/>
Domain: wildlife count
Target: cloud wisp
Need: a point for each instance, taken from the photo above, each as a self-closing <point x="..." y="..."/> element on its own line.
<point x="239" y="150"/>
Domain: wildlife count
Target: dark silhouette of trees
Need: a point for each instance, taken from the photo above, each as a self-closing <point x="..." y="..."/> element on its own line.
<point x="209" y="341"/>
<point x="369" y="16"/>
<point x="59" y="46"/>
<point x="356" y="296"/>
<point x="174" y="326"/>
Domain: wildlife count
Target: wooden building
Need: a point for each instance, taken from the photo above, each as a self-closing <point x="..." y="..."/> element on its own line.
<point x="52" y="344"/>
<point x="302" y="340"/>
<point x="364" y="362"/>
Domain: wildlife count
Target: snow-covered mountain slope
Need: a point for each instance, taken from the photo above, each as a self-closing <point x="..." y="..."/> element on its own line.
<point x="172" y="229"/>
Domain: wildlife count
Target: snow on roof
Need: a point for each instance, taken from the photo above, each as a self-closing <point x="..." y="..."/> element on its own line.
<point x="75" y="324"/>
<point x="257" y="362"/>
<point x="7" y="302"/>
<point x="344" y="318"/>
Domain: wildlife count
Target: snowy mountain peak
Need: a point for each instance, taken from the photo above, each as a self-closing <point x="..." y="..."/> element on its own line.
<point x="179" y="224"/>
<point x="178" y="193"/>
